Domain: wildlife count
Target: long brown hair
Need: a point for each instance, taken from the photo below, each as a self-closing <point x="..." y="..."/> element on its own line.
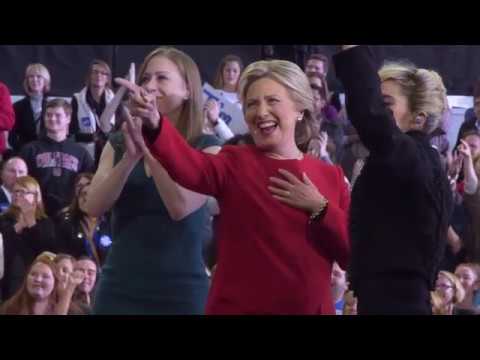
<point x="218" y="80"/>
<point x="74" y="207"/>
<point x="21" y="303"/>
<point x="31" y="184"/>
<point x="190" y="121"/>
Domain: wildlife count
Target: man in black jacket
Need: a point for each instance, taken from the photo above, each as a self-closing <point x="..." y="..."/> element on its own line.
<point x="55" y="160"/>
<point x="401" y="202"/>
<point x="12" y="169"/>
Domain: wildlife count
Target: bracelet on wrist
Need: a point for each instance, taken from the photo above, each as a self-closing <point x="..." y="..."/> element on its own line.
<point x="318" y="214"/>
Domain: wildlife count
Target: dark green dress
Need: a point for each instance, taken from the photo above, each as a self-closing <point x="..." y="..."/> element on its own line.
<point x="155" y="264"/>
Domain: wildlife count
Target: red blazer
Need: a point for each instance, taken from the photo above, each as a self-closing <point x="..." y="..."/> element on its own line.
<point x="7" y="115"/>
<point x="270" y="259"/>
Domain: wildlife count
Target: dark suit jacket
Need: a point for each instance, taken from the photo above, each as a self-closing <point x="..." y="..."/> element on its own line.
<point x="24" y="130"/>
<point x="4" y="203"/>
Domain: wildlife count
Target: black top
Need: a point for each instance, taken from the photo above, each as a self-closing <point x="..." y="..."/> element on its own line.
<point x="402" y="201"/>
<point x="55" y="165"/>
<point x="467" y="125"/>
<point x="21" y="249"/>
<point x="72" y="237"/>
<point x="4" y="202"/>
<point x="25" y="128"/>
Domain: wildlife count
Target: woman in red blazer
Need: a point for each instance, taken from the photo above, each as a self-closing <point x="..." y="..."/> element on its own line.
<point x="283" y="214"/>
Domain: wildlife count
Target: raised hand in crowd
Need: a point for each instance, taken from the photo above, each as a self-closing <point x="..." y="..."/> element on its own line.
<point x="212" y="112"/>
<point x="318" y="147"/>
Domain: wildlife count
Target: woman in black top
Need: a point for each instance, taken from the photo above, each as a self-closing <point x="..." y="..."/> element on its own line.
<point x="401" y="202"/>
<point x="81" y="234"/>
<point x="30" y="110"/>
<point x="27" y="232"/>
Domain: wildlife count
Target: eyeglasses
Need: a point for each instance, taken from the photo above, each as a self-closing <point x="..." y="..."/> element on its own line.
<point x="444" y="287"/>
<point x="99" y="72"/>
<point x="22" y="192"/>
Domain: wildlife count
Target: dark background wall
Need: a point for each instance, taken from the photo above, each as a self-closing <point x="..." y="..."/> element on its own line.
<point x="458" y="65"/>
<point x="68" y="63"/>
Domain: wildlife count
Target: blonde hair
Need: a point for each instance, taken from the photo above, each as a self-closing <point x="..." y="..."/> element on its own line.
<point x="41" y="70"/>
<point x="423" y="88"/>
<point x="48" y="255"/>
<point x="190" y="121"/>
<point x="295" y="81"/>
<point x="31" y="184"/>
<point x="459" y="291"/>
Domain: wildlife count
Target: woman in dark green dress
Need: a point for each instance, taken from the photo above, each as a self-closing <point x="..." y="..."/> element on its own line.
<point x="155" y="263"/>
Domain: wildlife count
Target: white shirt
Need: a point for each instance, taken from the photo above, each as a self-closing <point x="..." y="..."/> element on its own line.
<point x="8" y="194"/>
<point x="239" y="126"/>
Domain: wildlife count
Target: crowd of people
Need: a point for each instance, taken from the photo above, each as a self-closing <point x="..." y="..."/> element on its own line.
<point x="156" y="205"/>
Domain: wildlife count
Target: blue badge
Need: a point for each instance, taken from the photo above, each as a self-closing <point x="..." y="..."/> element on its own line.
<point x="225" y="117"/>
<point x="86" y="122"/>
<point x="105" y="241"/>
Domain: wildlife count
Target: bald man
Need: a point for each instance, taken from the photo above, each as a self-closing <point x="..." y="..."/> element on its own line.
<point x="12" y="169"/>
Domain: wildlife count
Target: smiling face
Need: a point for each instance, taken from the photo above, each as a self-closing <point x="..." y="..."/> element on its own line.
<point x="468" y="278"/>
<point x="64" y="269"/>
<point x="36" y="82"/>
<point x="57" y="121"/>
<point x="89" y="269"/>
<point x="162" y="79"/>
<point x="40" y="281"/>
<point x="445" y="289"/>
<point x="271" y="114"/>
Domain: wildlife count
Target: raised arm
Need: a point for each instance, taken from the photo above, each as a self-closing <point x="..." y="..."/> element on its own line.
<point x="192" y="169"/>
<point x="470" y="176"/>
<point x="357" y="69"/>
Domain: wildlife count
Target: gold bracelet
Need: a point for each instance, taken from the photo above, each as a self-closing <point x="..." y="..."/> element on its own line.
<point x="316" y="214"/>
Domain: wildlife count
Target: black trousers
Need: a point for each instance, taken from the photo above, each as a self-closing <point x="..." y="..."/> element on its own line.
<point x="393" y="294"/>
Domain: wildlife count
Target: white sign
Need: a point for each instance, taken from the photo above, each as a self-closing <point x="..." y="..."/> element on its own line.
<point x="230" y="113"/>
